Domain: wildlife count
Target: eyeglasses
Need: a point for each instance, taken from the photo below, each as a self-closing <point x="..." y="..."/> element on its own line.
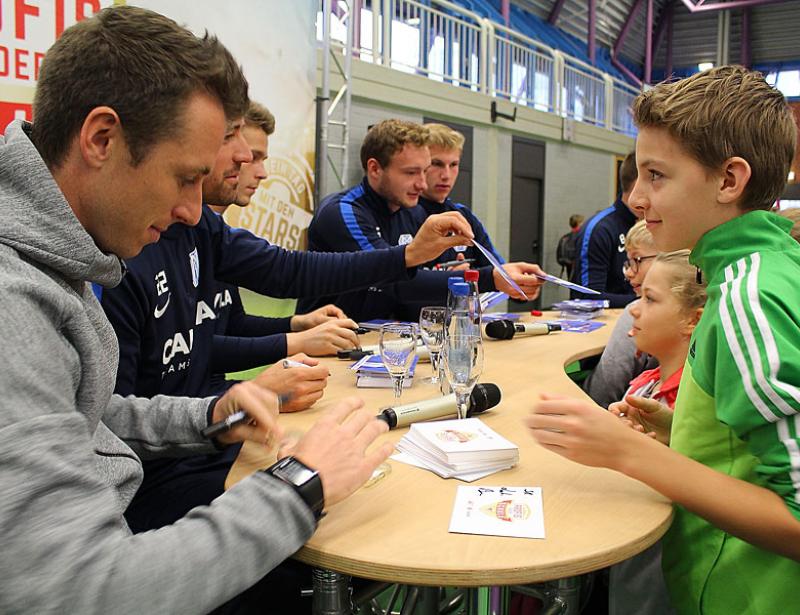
<point x="632" y="264"/>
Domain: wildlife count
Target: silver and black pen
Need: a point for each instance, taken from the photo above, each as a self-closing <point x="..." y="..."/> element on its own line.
<point x="232" y="420"/>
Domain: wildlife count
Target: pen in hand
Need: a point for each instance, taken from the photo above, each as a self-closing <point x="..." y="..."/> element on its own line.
<point x="287" y="363"/>
<point x="232" y="420"/>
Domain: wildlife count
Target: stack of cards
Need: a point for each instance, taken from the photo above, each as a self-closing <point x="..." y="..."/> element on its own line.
<point x="581" y="309"/>
<point x="464" y="449"/>
<point x="371" y="373"/>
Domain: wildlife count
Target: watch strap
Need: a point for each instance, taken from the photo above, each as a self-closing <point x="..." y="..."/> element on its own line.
<point x="305" y="481"/>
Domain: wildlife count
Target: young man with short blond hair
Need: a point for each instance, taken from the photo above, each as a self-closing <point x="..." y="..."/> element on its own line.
<point x="446" y="146"/>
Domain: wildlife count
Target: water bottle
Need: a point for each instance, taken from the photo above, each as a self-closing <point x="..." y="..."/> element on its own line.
<point x="476" y="312"/>
<point x="460" y="318"/>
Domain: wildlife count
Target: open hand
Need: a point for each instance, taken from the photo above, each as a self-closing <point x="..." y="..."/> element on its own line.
<point x="581" y="431"/>
<point x="336" y="447"/>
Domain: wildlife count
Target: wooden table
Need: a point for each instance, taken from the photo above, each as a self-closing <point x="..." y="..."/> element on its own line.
<point x="396" y="530"/>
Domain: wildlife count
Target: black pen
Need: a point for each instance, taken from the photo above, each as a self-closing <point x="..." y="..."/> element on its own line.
<point x="456" y="263"/>
<point x="232" y="420"/>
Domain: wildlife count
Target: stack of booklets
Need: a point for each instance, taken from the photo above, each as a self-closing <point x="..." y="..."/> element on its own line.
<point x="581" y="309"/>
<point x="465" y="449"/>
<point x="371" y="373"/>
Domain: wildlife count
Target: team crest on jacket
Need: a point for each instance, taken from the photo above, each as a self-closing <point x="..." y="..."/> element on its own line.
<point x="194" y="264"/>
<point x="404" y="239"/>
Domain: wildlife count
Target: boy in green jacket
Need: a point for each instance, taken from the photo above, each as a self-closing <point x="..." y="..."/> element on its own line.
<point x="713" y="153"/>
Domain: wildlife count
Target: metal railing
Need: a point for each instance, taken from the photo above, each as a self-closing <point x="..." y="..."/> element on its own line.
<point x="522" y="69"/>
<point x="448" y="43"/>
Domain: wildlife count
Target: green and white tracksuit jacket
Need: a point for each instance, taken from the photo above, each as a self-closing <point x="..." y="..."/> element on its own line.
<point x="737" y="412"/>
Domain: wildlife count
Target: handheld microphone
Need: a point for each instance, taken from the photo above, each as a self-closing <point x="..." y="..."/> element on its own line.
<point x="506" y="329"/>
<point x="483" y="397"/>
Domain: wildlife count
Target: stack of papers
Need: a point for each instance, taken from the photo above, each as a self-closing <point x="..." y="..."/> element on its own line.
<point x="465" y="449"/>
<point x="371" y="373"/>
<point x="499" y="316"/>
<point x="581" y="309"/>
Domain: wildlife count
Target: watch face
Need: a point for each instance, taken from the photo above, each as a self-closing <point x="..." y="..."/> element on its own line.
<point x="302" y="475"/>
<point x="295" y="472"/>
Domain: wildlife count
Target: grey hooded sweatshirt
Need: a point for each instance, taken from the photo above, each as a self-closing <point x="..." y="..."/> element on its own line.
<point x="70" y="450"/>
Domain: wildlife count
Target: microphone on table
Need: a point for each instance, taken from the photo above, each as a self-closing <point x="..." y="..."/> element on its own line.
<point x="506" y="329"/>
<point x="483" y="397"/>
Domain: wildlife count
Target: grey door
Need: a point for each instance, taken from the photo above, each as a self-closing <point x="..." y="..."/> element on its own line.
<point x="527" y="189"/>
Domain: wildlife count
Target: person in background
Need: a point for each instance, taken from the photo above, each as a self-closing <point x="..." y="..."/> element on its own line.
<point x="377" y="214"/>
<point x="601" y="245"/>
<point x="664" y="318"/>
<point x="242" y="341"/>
<point x="621" y="361"/>
<point x="714" y="151"/>
<point x="567" y="247"/>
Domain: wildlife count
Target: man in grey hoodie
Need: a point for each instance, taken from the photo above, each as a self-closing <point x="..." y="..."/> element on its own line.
<point x="130" y="111"/>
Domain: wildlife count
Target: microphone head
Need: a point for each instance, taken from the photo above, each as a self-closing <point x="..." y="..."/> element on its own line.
<point x="500" y="329"/>
<point x="483" y="397"/>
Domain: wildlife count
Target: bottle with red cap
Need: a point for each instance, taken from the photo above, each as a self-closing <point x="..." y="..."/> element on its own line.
<point x="471" y="278"/>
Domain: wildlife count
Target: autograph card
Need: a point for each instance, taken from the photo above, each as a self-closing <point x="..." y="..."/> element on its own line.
<point x="499" y="266"/>
<point x="498" y="511"/>
<point x="567" y="284"/>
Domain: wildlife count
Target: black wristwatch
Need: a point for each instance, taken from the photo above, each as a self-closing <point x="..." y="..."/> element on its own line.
<point x="304" y="480"/>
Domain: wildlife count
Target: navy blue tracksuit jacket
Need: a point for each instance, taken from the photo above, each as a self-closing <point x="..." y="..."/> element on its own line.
<point x="164" y="313"/>
<point x="359" y="219"/>
<point x="601" y="254"/>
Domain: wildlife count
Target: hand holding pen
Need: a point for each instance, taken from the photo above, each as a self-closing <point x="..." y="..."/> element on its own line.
<point x="246" y="412"/>
<point x="304" y="384"/>
<point x="324" y="339"/>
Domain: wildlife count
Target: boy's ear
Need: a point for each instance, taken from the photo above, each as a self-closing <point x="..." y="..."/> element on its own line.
<point x="101" y="133"/>
<point x="735" y="176"/>
<point x="373" y="168"/>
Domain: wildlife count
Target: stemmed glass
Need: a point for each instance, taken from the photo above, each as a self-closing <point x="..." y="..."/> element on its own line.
<point x="398" y="347"/>
<point x="463" y="364"/>
<point x="431" y="329"/>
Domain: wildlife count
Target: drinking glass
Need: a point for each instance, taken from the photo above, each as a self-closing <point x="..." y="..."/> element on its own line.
<point x="463" y="364"/>
<point x="398" y="347"/>
<point x="431" y="329"/>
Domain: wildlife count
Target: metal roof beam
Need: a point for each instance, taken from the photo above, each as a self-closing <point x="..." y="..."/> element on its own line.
<point x="697" y="6"/>
<point x="664" y="17"/>
<point x="623" y="33"/>
<point x="553" y="18"/>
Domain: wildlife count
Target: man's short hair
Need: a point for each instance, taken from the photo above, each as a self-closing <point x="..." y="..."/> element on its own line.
<point x="388" y="137"/>
<point x="639" y="237"/>
<point x="725" y="112"/>
<point x="444" y="137"/>
<point x="576" y="220"/>
<point x="260" y="117"/>
<point x="628" y="173"/>
<point x="141" y="64"/>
